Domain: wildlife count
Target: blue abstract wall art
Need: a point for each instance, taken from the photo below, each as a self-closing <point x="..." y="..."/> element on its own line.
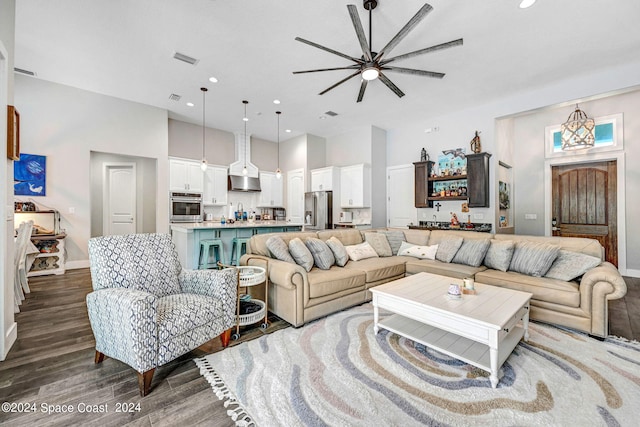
<point x="30" y="175"/>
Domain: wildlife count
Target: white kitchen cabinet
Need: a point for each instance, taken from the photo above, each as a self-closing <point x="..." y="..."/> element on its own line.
<point x="215" y="186"/>
<point x="325" y="179"/>
<point x="185" y="175"/>
<point x="355" y="186"/>
<point x="271" y="191"/>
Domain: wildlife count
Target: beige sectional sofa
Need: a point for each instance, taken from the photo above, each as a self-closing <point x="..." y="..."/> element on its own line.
<point x="298" y="296"/>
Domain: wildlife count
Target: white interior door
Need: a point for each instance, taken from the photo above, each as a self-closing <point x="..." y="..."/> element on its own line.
<point x="119" y="210"/>
<point x="401" y="210"/>
<point x="295" y="196"/>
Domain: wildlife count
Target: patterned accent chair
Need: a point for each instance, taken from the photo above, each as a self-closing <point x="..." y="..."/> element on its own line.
<point x="145" y="310"/>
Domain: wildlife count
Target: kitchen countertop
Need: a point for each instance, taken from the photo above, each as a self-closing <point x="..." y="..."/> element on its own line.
<point x="236" y="224"/>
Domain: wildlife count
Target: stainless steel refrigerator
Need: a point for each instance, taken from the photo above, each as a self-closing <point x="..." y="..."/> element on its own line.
<point x="318" y="210"/>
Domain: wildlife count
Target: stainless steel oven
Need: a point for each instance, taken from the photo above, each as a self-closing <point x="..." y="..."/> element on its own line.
<point x="185" y="207"/>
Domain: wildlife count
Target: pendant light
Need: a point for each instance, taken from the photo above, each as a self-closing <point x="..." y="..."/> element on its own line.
<point x="278" y="171"/>
<point x="203" y="165"/>
<point x="245" y="171"/>
<point x="578" y="131"/>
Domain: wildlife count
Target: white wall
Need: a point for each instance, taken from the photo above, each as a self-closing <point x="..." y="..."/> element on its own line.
<point x="7" y="324"/>
<point x="350" y="148"/>
<point x="66" y="124"/>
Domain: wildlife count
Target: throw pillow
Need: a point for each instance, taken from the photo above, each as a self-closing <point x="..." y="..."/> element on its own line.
<point x="379" y="243"/>
<point x="533" y="259"/>
<point x="322" y="255"/>
<point x="279" y="249"/>
<point x="447" y="248"/>
<point x="570" y="265"/>
<point x="361" y="251"/>
<point x="421" y="252"/>
<point x="300" y="253"/>
<point x="499" y="254"/>
<point x="404" y="247"/>
<point x="472" y="252"/>
<point x="395" y="238"/>
<point x="339" y="252"/>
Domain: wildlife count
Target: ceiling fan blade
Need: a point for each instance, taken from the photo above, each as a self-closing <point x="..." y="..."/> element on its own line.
<point x="419" y="16"/>
<point x="339" y="83"/>
<point x="415" y="72"/>
<point x="357" y="24"/>
<point x="437" y="47"/>
<point x="390" y="85"/>
<point x="335" y="52"/>
<point x="351" y="67"/>
<point x="363" y="87"/>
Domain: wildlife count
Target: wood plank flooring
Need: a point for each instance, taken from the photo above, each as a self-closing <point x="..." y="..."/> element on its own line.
<point x="51" y="363"/>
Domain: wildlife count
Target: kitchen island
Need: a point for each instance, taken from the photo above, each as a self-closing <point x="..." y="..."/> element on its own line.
<point x="187" y="236"/>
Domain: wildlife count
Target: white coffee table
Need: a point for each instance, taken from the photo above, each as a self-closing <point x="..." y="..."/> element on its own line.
<point x="480" y="329"/>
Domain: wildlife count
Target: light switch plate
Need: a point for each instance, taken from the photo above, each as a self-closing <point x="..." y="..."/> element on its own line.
<point x="478" y="216"/>
<point x="530" y="216"/>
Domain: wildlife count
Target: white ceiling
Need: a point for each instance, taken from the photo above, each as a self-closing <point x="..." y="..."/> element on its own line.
<point x="124" y="48"/>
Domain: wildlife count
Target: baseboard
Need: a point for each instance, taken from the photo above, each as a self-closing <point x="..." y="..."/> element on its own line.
<point x="9" y="338"/>
<point x="632" y="273"/>
<point x="74" y="265"/>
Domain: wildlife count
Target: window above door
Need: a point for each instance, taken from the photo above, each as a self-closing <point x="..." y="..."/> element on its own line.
<point x="608" y="137"/>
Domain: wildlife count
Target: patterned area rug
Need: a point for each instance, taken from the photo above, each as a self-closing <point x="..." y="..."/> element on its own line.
<point x="336" y="372"/>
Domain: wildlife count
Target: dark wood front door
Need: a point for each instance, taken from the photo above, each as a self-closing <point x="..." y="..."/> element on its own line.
<point x="584" y="203"/>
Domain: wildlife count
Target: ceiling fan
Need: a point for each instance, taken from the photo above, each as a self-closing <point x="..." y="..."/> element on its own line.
<point x="372" y="64"/>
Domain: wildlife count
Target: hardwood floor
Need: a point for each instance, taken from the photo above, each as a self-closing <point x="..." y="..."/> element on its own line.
<point x="51" y="363"/>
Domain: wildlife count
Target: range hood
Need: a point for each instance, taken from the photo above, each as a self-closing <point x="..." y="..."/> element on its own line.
<point x="237" y="181"/>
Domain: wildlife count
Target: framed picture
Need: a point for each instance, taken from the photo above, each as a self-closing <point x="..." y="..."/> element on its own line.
<point x="30" y="175"/>
<point x="13" y="133"/>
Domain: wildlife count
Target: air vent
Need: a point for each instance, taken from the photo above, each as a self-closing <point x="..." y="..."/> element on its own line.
<point x="185" y="58"/>
<point x="25" y="72"/>
<point x="331" y="113"/>
<point x="174" y="97"/>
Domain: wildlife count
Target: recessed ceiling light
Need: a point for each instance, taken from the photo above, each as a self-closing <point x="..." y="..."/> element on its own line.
<point x="526" y="3"/>
<point x="213" y="79"/>
<point x="276" y="101"/>
<point x="322" y="117"/>
<point x="288" y="130"/>
<point x="190" y="104"/>
<point x="245" y="119"/>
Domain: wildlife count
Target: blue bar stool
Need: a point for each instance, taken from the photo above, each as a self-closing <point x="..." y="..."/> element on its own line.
<point x="205" y="253"/>
<point x="238" y="248"/>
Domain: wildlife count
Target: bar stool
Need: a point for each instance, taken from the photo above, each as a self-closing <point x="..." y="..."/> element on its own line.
<point x="205" y="253"/>
<point x="238" y="244"/>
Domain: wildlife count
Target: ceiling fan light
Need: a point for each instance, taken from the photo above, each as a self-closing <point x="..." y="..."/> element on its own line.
<point x="370" y="73"/>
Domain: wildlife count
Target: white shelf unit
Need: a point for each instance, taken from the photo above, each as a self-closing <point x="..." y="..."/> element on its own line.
<point x="48" y="262"/>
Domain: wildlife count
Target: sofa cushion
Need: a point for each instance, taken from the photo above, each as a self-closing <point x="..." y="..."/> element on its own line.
<point x="279" y="249"/>
<point x="379" y="243"/>
<point x="458" y="271"/>
<point x="499" y="254"/>
<point x="570" y="265"/>
<point x="543" y="289"/>
<point x="258" y="242"/>
<point x="334" y="280"/>
<point x="345" y="235"/>
<point x="417" y="237"/>
<point x="339" y="251"/>
<point x="395" y="239"/>
<point x="322" y="255"/>
<point x="361" y="251"/>
<point x="532" y="258"/>
<point x="377" y="269"/>
<point x="447" y="248"/>
<point x="472" y="252"/>
<point x="301" y="253"/>
<point x="421" y="252"/>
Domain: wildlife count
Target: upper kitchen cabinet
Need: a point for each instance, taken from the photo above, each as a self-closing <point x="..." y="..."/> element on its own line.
<point x="325" y="179"/>
<point x="355" y="186"/>
<point x="215" y="186"/>
<point x="272" y="191"/>
<point x="185" y="175"/>
<point x="422" y="193"/>
<point x="478" y="180"/>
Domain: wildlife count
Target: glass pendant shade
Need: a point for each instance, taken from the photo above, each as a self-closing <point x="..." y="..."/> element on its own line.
<point x="203" y="165"/>
<point x="278" y="173"/>
<point x="578" y="132"/>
